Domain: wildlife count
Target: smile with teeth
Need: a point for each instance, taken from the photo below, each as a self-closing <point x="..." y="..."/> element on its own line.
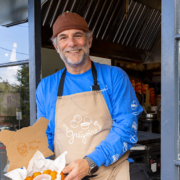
<point x="75" y="51"/>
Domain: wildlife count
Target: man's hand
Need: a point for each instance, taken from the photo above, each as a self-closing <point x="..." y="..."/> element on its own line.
<point x="77" y="169"/>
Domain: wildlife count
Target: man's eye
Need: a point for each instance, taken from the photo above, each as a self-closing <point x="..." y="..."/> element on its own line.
<point x="78" y="35"/>
<point x="62" y="38"/>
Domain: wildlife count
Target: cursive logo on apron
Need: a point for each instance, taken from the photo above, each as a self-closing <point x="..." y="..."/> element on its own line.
<point x="84" y="125"/>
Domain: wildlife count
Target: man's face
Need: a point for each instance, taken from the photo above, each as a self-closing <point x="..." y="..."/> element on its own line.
<point x="73" y="47"/>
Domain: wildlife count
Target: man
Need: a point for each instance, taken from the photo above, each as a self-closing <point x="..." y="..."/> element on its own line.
<point x="92" y="108"/>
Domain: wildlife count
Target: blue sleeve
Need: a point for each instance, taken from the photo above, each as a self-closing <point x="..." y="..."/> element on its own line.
<point x="40" y="102"/>
<point x="42" y="113"/>
<point x="123" y="134"/>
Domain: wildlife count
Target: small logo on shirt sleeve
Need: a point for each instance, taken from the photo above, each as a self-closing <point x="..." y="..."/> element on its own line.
<point x="135" y="126"/>
<point x="133" y="139"/>
<point x="115" y="158"/>
<point x="125" y="147"/>
<point x="134" y="105"/>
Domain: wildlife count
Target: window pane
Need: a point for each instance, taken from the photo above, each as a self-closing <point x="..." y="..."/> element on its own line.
<point x="14" y="43"/>
<point x="14" y="104"/>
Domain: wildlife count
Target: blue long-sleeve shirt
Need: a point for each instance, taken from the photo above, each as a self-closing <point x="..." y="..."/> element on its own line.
<point x="120" y="99"/>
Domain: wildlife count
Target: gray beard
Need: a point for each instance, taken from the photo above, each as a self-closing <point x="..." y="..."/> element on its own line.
<point x="81" y="61"/>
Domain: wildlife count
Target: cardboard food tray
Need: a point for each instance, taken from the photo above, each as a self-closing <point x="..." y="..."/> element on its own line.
<point x="23" y="144"/>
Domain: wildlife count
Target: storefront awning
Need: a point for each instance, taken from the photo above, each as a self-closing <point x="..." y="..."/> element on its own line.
<point x="133" y="38"/>
<point x="14" y="12"/>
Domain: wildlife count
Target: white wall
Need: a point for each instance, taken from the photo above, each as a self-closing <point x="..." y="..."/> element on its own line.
<point x="101" y="60"/>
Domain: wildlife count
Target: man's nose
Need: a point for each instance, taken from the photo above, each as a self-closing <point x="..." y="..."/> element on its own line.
<point x="72" y="42"/>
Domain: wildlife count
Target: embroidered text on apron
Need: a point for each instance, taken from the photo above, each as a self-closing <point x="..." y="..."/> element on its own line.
<point x="82" y="121"/>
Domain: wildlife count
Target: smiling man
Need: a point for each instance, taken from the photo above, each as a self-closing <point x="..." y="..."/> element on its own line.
<point x="73" y="48"/>
<point x="89" y="107"/>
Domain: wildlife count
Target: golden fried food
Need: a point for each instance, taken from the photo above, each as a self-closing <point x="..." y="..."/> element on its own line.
<point x="62" y="175"/>
<point x="48" y="171"/>
<point x="29" y="178"/>
<point x="53" y="175"/>
<point x="36" y="174"/>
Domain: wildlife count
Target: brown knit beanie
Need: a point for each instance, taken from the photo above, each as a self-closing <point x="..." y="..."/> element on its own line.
<point x="67" y="21"/>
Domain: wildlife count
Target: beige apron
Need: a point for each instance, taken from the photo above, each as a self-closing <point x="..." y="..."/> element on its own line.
<point x="82" y="121"/>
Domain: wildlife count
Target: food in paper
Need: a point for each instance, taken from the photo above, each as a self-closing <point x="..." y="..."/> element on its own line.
<point x="53" y="175"/>
<point x="46" y="175"/>
<point x="43" y="177"/>
<point x="62" y="176"/>
<point x="36" y="174"/>
<point x="48" y="171"/>
<point x="29" y="178"/>
<point x="39" y="165"/>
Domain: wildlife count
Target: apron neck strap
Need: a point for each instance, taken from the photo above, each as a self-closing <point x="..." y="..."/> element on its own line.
<point x="61" y="84"/>
<point x="95" y="86"/>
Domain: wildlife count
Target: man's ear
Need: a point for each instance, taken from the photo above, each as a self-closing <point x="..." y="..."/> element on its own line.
<point x="90" y="41"/>
<point x="56" y="48"/>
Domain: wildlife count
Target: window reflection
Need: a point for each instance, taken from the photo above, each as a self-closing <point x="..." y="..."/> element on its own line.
<point x="14" y="96"/>
<point x="14" y="43"/>
<point x="14" y="105"/>
<point x="14" y="84"/>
